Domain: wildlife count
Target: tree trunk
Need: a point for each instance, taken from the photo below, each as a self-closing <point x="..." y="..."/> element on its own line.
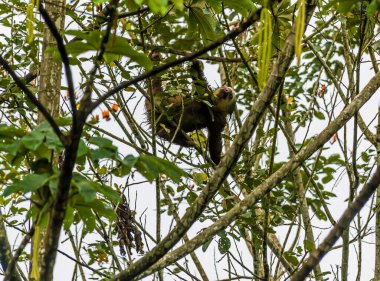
<point x="49" y="96"/>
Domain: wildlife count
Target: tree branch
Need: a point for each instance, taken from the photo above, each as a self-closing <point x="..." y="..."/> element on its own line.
<point x="253" y="18"/>
<point x="259" y="191"/>
<point x="344" y="221"/>
<point x="65" y="60"/>
<point x="34" y="100"/>
<point x="5" y="250"/>
<point x="232" y="155"/>
<point x="9" y="274"/>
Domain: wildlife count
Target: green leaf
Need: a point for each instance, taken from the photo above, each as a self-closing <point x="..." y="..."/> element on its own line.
<point x="178" y="4"/>
<point x="87" y="189"/>
<point x="69" y="218"/>
<point x="109" y="193"/>
<point x="106" y="148"/>
<point x="97" y="2"/>
<point x="116" y="46"/>
<point x="53" y="183"/>
<point x="147" y="169"/>
<point x="101" y="153"/>
<point x="216" y="5"/>
<point x="206" y="23"/>
<point x="224" y="245"/>
<point x="128" y="163"/>
<point x="242" y="6"/>
<point x="10" y="131"/>
<point x="289" y="256"/>
<point x="158" y="6"/>
<point x="29" y="183"/>
<point x="78" y="47"/>
<point x="191" y="196"/>
<point x="102" y="209"/>
<point x="53" y="142"/>
<point x="309" y="246"/>
<point x="327" y="178"/>
<point x="372" y="7"/>
<point x="102" y="142"/>
<point x="365" y="157"/>
<point x="82" y="149"/>
<point x="319" y="115"/>
<point x="13" y="188"/>
<point x="11" y="148"/>
<point x="87" y="217"/>
<point x="62" y="121"/>
<point x="121" y="46"/>
<point x="206" y="244"/>
<point x="35" y="181"/>
<point x="346" y="6"/>
<point x="152" y="166"/>
<point x="33" y="140"/>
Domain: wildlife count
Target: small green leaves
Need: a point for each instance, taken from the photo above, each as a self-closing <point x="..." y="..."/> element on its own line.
<point x="87" y="189"/>
<point x="116" y="45"/>
<point x="242" y="6"/>
<point x="150" y="167"/>
<point x="29" y="183"/>
<point x="205" y="22"/>
<point x="224" y="245"/>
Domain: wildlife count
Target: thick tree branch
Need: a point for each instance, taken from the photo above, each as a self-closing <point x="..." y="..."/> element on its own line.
<point x="350" y="110"/>
<point x="195" y="210"/>
<point x="244" y="26"/>
<point x="70" y="155"/>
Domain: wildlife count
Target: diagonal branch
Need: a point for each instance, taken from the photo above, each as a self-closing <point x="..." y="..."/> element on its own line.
<point x="63" y="189"/>
<point x="344" y="221"/>
<point x="6" y="251"/>
<point x="34" y="100"/>
<point x="9" y="274"/>
<point x="233" y="34"/>
<point x="228" y="162"/>
<point x="65" y="59"/>
<point x="251" y="199"/>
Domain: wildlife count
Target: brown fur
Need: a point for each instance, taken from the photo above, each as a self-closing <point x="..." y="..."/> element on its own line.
<point x="191" y="115"/>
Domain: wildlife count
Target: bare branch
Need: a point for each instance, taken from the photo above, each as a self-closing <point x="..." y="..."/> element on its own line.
<point x="344" y="221"/>
<point x="34" y="100"/>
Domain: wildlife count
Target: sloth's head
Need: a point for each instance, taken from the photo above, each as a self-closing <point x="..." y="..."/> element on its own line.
<point x="224" y="100"/>
<point x="154" y="56"/>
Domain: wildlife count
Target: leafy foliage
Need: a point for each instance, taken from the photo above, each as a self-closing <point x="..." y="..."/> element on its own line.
<point x="124" y="180"/>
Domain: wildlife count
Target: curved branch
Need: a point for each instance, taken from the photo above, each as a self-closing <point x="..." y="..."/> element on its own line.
<point x="349" y="111"/>
<point x="232" y="155"/>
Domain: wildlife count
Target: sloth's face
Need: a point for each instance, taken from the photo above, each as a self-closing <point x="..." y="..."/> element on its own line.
<point x="224" y="100"/>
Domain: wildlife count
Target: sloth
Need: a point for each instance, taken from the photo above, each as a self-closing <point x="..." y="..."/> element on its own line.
<point x="179" y="114"/>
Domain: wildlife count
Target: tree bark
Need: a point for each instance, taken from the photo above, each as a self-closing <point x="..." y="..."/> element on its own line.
<point x="49" y="97"/>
